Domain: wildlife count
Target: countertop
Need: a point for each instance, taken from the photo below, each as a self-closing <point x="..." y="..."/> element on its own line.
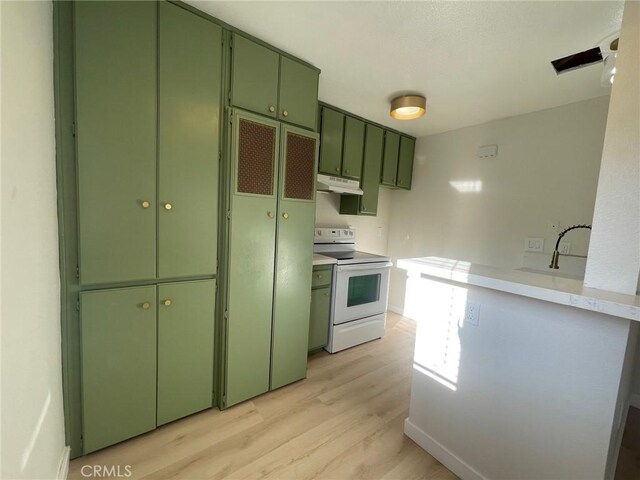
<point x="323" y="260"/>
<point x="555" y="289"/>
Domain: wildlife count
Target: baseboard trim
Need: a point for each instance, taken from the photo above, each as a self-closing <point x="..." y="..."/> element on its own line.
<point x="634" y="400"/>
<point x="394" y="309"/>
<point x="441" y="453"/>
<point x="63" y="468"/>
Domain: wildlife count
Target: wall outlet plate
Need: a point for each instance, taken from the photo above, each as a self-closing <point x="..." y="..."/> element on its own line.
<point x="534" y="244"/>
<point x="472" y="314"/>
<point x="564" y="248"/>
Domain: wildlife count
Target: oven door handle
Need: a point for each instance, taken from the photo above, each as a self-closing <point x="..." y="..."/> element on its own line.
<point x="364" y="266"/>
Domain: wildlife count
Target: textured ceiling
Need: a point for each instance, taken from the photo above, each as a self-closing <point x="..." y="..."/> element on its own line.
<point x="474" y="61"/>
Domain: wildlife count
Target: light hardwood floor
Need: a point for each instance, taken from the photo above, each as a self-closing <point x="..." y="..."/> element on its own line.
<point x="345" y="421"/>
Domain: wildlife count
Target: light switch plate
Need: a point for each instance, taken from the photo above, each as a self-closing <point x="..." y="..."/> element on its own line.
<point x="534" y="244"/>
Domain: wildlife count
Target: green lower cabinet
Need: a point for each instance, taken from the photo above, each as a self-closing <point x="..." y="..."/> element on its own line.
<point x="186" y="313"/>
<point x="319" y="319"/>
<point x="118" y="348"/>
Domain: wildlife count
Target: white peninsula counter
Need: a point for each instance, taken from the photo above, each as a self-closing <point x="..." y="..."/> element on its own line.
<point x="517" y="374"/>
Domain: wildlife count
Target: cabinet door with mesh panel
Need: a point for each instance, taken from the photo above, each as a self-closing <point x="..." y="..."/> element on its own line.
<point x="254" y="150"/>
<point x="294" y="256"/>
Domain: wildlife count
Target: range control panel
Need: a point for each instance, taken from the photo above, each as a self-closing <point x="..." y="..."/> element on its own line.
<point x="334" y="235"/>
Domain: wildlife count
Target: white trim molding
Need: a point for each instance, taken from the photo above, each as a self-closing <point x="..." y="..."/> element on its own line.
<point x="441" y="453"/>
<point x="63" y="468"/>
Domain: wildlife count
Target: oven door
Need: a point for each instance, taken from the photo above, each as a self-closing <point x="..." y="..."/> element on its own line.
<point x="361" y="290"/>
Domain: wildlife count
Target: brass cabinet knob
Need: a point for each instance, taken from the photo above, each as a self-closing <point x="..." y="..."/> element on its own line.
<point x="318" y="276"/>
<point x="337" y="169"/>
<point x="346" y="171"/>
<point x="363" y="207"/>
<point x="326" y="294"/>
<point x="168" y="206"/>
<point x="145" y="204"/>
<point x="270" y="214"/>
<point x="285" y="113"/>
<point x="285" y="215"/>
<point x="272" y="108"/>
<point x="146" y="306"/>
<point x="167" y="303"/>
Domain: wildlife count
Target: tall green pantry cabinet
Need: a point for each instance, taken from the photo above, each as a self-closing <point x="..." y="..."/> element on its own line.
<point x="272" y="212"/>
<point x="143" y="194"/>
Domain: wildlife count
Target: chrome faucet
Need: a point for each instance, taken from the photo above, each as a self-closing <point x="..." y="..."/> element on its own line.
<point x="556" y="253"/>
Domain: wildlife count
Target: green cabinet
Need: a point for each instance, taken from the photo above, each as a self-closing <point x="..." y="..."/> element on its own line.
<point x="320" y="307"/>
<point x="188" y="146"/>
<point x="186" y="313"/>
<point x="353" y="148"/>
<point x="270" y="253"/>
<point x="294" y="257"/>
<point x="331" y="136"/>
<point x="121" y="77"/>
<point x="116" y="95"/>
<point x="367" y="204"/>
<point x="118" y="350"/>
<point x="405" y="162"/>
<point x="390" y="159"/>
<point x="265" y="82"/>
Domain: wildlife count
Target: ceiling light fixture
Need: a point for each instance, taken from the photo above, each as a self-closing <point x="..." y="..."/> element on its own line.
<point x="408" y="107"/>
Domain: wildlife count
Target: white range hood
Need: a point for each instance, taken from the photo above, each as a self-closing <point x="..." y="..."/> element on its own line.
<point x="327" y="183"/>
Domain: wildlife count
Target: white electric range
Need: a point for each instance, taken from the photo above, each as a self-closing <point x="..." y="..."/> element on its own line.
<point x="359" y="289"/>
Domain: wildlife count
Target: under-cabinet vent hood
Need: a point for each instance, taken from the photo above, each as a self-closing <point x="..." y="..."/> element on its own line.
<point x="328" y="183"/>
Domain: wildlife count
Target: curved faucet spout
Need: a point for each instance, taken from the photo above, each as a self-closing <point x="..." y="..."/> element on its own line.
<point x="556" y="253"/>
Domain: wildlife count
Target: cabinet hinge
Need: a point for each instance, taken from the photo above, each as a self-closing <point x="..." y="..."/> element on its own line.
<point x="78" y="304"/>
<point x="73" y="128"/>
<point x="228" y="214"/>
<point x="226" y="314"/>
<point x="77" y="271"/>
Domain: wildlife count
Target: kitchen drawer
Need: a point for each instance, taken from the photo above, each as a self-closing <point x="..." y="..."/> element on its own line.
<point x="321" y="276"/>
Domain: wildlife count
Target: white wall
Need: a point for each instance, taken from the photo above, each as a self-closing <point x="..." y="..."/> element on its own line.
<point x="546" y="170"/>
<point x="32" y="419"/>
<point x="371" y="232"/>
<point x="614" y="254"/>
<point x="532" y="392"/>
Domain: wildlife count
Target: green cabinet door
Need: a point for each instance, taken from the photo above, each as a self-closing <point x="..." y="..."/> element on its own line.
<point x="189" y="101"/>
<point x="298" y="93"/>
<point x="332" y="132"/>
<point x="319" y="321"/>
<point x="252" y="236"/>
<point x="254" y="77"/>
<point x="186" y="313"/>
<point x="405" y="162"/>
<point x="390" y="160"/>
<point x="353" y="148"/>
<point x="118" y="349"/>
<point x="367" y="204"/>
<point x="294" y="256"/>
<point x="115" y="81"/>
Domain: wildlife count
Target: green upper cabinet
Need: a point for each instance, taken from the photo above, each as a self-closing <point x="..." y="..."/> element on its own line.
<point x="254" y="77"/>
<point x="265" y="82"/>
<point x="116" y="96"/>
<point x="298" y="93"/>
<point x="367" y="204"/>
<point x="118" y="349"/>
<point x="188" y="148"/>
<point x="405" y="162"/>
<point x="331" y="138"/>
<point x="294" y="256"/>
<point x="186" y="313"/>
<point x="390" y="159"/>
<point x="353" y="148"/>
<point x="254" y="154"/>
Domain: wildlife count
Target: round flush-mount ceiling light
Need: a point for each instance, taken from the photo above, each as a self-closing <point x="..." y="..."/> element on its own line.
<point x="408" y="107"/>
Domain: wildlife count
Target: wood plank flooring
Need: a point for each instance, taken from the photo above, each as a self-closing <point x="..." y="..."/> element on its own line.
<point x="345" y="421"/>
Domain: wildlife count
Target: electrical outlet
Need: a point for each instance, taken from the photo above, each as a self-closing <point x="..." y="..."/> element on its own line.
<point x="564" y="248"/>
<point x="472" y="314"/>
<point x="534" y="244"/>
